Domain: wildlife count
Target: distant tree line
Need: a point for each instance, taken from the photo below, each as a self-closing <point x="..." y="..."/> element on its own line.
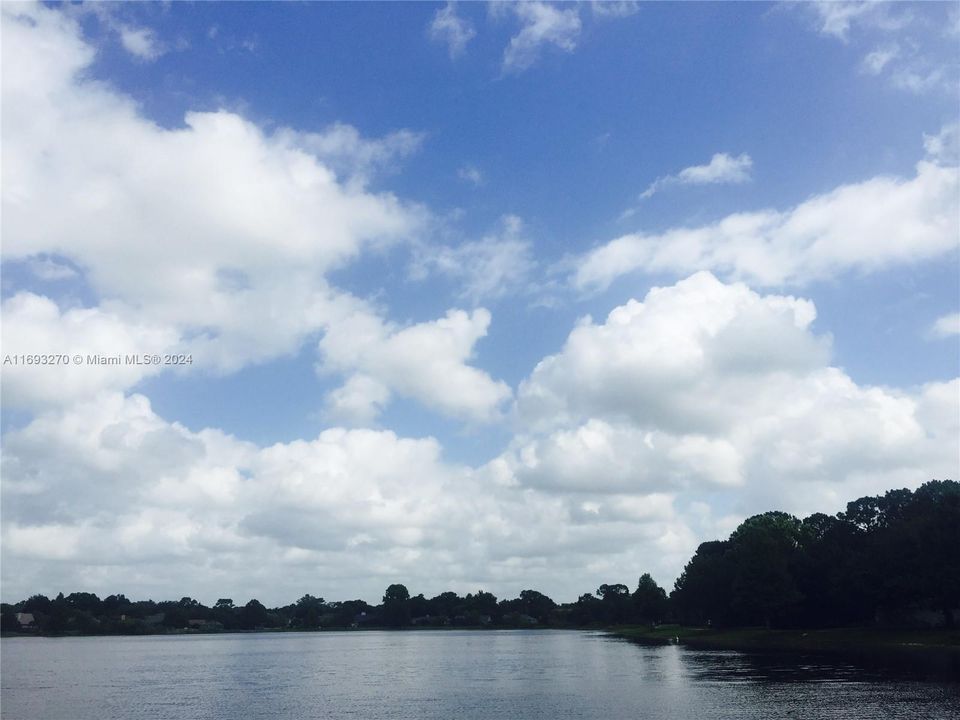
<point x="891" y="559"/>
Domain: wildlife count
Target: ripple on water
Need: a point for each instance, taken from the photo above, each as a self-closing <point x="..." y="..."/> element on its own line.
<point x="549" y="675"/>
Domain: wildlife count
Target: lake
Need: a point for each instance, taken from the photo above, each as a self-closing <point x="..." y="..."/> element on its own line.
<point x="508" y="675"/>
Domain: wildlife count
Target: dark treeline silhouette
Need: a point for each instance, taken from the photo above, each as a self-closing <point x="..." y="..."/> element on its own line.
<point x="891" y="559"/>
<point x="887" y="560"/>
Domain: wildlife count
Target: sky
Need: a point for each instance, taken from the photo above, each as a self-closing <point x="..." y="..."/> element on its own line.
<point x="464" y="296"/>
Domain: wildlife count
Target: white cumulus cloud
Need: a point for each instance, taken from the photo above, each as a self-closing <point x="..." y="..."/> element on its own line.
<point x="34" y="325"/>
<point x="722" y="169"/>
<point x="112" y="488"/>
<point x="216" y="236"/>
<point x="358" y="402"/>
<point x="863" y="227"/>
<point x="706" y="388"/>
<point x="215" y="228"/>
<point x="426" y="361"/>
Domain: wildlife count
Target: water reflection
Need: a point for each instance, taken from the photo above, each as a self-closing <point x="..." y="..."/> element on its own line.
<point x="493" y="675"/>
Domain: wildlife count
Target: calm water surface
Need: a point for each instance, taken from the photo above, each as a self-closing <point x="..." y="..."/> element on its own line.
<point x="508" y="675"/>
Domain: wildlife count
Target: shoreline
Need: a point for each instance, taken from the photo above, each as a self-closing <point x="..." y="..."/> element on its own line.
<point x="744" y="639"/>
<point x="923" y="652"/>
<point x="280" y="631"/>
<point x="823" y="639"/>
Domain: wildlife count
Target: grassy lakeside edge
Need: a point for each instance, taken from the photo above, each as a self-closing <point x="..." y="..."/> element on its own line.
<point x="832" y="640"/>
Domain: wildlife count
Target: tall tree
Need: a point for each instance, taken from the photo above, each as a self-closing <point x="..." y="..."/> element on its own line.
<point x="253" y="615"/>
<point x="536" y="604"/>
<point x="307" y="611"/>
<point x="701" y="595"/>
<point x="649" y="600"/>
<point x="615" y="603"/>
<point x="764" y="552"/>
<point x="396" y="606"/>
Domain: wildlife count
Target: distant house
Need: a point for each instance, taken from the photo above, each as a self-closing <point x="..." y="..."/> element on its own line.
<point x="25" y="619"/>
<point x="361" y="619"/>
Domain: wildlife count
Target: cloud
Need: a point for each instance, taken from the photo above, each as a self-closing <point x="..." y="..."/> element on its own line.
<point x="425" y="361"/>
<point x="128" y="489"/>
<point x="358" y="402"/>
<point x="108" y="497"/>
<point x="946" y="326"/>
<point x="915" y="62"/>
<point x="543" y="24"/>
<point x="34" y="325"/>
<point x="920" y="80"/>
<point x="722" y="169"/>
<point x="341" y="148"/>
<point x="836" y="18"/>
<point x="154" y="215"/>
<point x="470" y="174"/>
<point x="603" y="458"/>
<point x="448" y="27"/>
<point x="50" y="270"/>
<point x="498" y="264"/>
<point x="703" y="395"/>
<point x="614" y="8"/>
<point x="646" y="350"/>
<point x="141" y="42"/>
<point x="862" y="227"/>
<point x="225" y="42"/>
<point x="215" y="235"/>
<point x="709" y="389"/>
<point x="876" y="61"/>
<point x="952" y="28"/>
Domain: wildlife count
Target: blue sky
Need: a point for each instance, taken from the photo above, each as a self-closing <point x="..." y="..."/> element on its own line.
<point x="475" y="295"/>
